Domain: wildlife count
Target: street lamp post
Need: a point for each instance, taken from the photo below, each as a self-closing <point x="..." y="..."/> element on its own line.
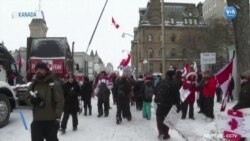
<point x="163" y="37"/>
<point x="138" y="44"/>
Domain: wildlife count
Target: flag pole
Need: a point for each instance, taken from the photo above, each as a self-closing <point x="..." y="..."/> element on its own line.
<point x="96" y="26"/>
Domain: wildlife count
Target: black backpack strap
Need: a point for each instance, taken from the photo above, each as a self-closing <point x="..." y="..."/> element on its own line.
<point x="51" y="85"/>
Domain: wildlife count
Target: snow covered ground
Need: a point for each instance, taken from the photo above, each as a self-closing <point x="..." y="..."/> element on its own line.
<point x="91" y="128"/>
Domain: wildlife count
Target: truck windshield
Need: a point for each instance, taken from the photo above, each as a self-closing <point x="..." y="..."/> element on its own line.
<point x="47" y="48"/>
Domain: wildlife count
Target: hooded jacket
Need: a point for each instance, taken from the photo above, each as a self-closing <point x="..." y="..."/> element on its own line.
<point x="54" y="100"/>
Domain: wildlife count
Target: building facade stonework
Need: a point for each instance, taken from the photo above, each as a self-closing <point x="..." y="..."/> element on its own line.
<point x="184" y="30"/>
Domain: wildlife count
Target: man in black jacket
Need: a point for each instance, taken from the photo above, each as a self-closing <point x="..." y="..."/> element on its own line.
<point x="167" y="94"/>
<point x="123" y="89"/>
<point x="71" y="106"/>
<point x="86" y="93"/>
<point x="46" y="97"/>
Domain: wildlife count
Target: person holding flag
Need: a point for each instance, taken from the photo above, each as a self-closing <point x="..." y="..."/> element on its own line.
<point x="208" y="92"/>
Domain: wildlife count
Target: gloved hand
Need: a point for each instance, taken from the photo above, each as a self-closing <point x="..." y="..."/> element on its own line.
<point x="37" y="101"/>
<point x="57" y="122"/>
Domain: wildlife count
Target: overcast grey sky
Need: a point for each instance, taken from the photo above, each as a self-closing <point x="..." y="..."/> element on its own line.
<point x="76" y="19"/>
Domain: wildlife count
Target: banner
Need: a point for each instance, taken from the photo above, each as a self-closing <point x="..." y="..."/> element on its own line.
<point x="54" y="65"/>
<point x="184" y="93"/>
<point x="172" y="118"/>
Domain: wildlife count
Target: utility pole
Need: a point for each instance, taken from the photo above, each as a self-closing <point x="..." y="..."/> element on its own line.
<point x="96" y="26"/>
<point x="163" y="38"/>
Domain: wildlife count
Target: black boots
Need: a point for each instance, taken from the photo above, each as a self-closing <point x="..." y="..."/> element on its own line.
<point x="118" y="120"/>
<point x="90" y="111"/>
<point x="85" y="111"/>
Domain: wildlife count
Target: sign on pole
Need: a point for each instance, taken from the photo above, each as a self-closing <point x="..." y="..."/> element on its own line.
<point x="208" y="58"/>
<point x="28" y="14"/>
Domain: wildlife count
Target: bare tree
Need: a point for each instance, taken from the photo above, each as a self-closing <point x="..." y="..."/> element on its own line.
<point x="241" y="31"/>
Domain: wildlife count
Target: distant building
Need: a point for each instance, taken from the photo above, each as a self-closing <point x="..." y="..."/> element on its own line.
<point x="98" y="64"/>
<point x="38" y="28"/>
<point x="88" y="65"/>
<point x="184" y="26"/>
<point x="213" y="9"/>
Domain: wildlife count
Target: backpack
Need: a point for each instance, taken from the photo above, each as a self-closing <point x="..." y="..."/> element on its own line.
<point x="103" y="90"/>
<point x="149" y="91"/>
<point x="162" y="92"/>
<point x="121" y="91"/>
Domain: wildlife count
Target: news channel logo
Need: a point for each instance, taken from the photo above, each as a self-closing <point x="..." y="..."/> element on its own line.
<point x="230" y="12"/>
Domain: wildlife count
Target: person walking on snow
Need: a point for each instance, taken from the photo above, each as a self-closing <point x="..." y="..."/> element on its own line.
<point x="147" y="91"/>
<point x="46" y="97"/>
<point x="167" y="95"/>
<point x="71" y="106"/>
<point x="86" y="93"/>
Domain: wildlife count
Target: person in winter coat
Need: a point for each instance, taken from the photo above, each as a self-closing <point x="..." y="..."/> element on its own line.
<point x="244" y="95"/>
<point x="138" y="92"/>
<point x="114" y="77"/>
<point x="71" y="106"/>
<point x="190" y="84"/>
<point x="208" y="92"/>
<point x="147" y="91"/>
<point x="86" y="93"/>
<point x="102" y="90"/>
<point x="167" y="95"/>
<point x="46" y="97"/>
<point x="123" y="89"/>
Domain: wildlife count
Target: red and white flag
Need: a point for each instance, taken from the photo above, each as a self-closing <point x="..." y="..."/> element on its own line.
<point x="223" y="78"/>
<point x="115" y="24"/>
<point x="185" y="70"/>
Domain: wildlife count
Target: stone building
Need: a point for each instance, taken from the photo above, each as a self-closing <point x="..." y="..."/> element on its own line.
<point x="184" y="29"/>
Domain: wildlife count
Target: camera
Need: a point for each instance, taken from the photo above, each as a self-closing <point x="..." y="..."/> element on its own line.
<point x="37" y="100"/>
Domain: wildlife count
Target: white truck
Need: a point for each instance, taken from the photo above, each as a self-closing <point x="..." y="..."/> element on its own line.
<point x="7" y="94"/>
<point x="7" y="102"/>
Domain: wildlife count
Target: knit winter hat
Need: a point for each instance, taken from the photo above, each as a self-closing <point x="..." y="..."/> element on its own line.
<point x="41" y="65"/>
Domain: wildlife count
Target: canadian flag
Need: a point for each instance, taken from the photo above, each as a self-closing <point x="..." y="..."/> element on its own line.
<point x="185" y="70"/>
<point x="124" y="63"/>
<point x="235" y="125"/>
<point x="223" y="78"/>
<point x="115" y="24"/>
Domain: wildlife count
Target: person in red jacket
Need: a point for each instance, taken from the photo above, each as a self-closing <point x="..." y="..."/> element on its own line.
<point x="208" y="92"/>
<point x="191" y="84"/>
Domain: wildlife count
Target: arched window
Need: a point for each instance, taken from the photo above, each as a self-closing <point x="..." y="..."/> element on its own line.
<point x="150" y="53"/>
<point x="190" y="21"/>
<point x="173" y="52"/>
<point x="195" y="21"/>
<point x="150" y="38"/>
<point x="185" y="21"/>
<point x="172" y="21"/>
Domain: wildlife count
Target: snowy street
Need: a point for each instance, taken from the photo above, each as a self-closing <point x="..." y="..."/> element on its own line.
<point x="91" y="128"/>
